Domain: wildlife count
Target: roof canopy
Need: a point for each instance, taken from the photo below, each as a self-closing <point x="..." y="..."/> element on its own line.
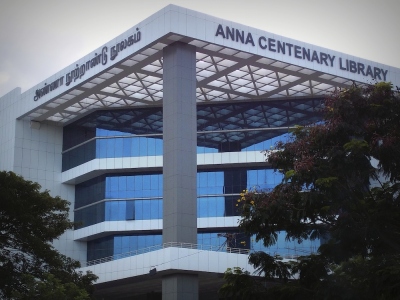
<point x="234" y="63"/>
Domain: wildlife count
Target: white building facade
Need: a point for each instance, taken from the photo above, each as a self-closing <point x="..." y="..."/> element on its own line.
<point x="153" y="136"/>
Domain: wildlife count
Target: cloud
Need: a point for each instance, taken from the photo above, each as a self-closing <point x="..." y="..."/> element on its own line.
<point x="46" y="36"/>
<point x="4" y="77"/>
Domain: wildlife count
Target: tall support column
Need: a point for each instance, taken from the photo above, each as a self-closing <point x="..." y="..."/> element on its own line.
<point x="180" y="287"/>
<point x="179" y="161"/>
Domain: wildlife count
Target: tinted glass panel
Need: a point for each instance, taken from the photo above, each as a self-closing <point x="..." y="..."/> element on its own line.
<point x="286" y="248"/>
<point x="218" y="192"/>
<point x="219" y="241"/>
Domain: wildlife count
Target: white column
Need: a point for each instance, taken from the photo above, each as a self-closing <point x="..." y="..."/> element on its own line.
<point x="179" y="161"/>
<point x="180" y="140"/>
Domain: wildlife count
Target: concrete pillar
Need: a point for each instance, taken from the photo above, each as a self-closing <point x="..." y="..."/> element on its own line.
<point x="180" y="287"/>
<point x="179" y="161"/>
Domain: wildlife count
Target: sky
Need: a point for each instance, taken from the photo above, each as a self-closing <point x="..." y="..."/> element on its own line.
<point x="40" y="37"/>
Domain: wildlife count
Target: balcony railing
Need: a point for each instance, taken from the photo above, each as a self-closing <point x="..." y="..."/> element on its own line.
<point x="199" y="247"/>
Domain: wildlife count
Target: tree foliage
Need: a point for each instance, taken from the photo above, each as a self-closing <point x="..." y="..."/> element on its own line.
<point x="341" y="185"/>
<point x="29" y="221"/>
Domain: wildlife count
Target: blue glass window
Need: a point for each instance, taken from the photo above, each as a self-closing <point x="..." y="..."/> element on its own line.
<point x="210" y="207"/>
<point x="285" y="248"/>
<point x="138" y="196"/>
<point x="210" y="183"/>
<point x="130" y="213"/>
<point x="120" y="244"/>
<point x="263" y="179"/>
<point x="211" y="239"/>
<point x="115" y="210"/>
<point x="116" y="245"/>
<point x="268" y="144"/>
<point x="112" y="143"/>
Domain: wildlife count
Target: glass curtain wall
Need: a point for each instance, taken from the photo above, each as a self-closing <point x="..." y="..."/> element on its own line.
<point x="119" y="246"/>
<point x="225" y="127"/>
<point x="119" y="197"/>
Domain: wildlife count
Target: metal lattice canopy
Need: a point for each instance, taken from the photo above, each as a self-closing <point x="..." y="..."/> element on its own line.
<point x="223" y="75"/>
<point x="244" y="123"/>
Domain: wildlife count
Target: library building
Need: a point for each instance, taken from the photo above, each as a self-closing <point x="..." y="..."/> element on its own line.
<point x="153" y="136"/>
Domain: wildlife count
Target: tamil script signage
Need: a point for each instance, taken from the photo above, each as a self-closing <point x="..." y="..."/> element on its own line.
<point x="79" y="71"/>
<point x="265" y="43"/>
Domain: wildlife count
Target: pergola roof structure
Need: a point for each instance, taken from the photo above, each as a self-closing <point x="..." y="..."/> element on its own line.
<point x="245" y="123"/>
<point x="223" y="74"/>
<point x="227" y="71"/>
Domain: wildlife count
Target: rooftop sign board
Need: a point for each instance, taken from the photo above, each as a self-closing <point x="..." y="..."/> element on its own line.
<point x="234" y="62"/>
<point x="79" y="71"/>
<point x="279" y="46"/>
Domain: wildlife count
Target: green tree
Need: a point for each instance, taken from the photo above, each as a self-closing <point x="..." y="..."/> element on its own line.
<point x="341" y="185"/>
<point x="30" y="220"/>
